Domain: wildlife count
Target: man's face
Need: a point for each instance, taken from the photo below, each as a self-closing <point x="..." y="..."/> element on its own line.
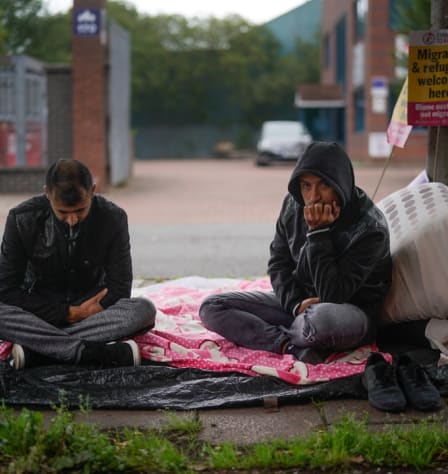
<point x="71" y="215"/>
<point x="315" y="190"/>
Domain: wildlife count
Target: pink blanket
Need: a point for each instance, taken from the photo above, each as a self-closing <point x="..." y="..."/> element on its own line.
<point x="180" y="340"/>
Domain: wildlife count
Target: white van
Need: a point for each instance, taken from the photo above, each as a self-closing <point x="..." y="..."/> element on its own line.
<point x="281" y="140"/>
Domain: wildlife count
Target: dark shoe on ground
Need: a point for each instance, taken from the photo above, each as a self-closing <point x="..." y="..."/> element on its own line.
<point x="111" y="354"/>
<point x="380" y="380"/>
<point x="416" y="385"/>
<point x="306" y="355"/>
<point x="22" y="358"/>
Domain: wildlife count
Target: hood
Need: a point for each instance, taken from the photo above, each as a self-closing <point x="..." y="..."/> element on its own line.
<point x="331" y="163"/>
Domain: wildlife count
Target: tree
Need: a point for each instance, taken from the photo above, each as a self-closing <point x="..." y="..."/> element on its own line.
<point x="412" y="15"/>
<point x="275" y="88"/>
<point x="184" y="70"/>
<point x="196" y="70"/>
<point x="18" y="20"/>
<point x="51" y="40"/>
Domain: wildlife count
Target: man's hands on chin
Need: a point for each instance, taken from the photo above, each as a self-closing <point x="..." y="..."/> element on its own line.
<point x="87" y="308"/>
<point x="319" y="214"/>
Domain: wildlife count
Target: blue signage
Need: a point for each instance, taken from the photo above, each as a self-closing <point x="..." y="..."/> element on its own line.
<point x="86" y="22"/>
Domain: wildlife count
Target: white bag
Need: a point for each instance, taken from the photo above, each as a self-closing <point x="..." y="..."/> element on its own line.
<point x="418" y="224"/>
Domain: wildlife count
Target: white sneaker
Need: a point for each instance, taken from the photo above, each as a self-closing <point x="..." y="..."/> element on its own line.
<point x="135" y="352"/>
<point x="17" y="359"/>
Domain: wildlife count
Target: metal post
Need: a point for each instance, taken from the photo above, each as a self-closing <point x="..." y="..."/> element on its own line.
<point x="20" y="119"/>
<point x="437" y="161"/>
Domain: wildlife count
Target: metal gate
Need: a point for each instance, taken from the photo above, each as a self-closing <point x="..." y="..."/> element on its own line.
<point x="23" y="112"/>
<point x="119" y="104"/>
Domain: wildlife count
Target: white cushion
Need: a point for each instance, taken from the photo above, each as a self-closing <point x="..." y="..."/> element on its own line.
<point x="418" y="224"/>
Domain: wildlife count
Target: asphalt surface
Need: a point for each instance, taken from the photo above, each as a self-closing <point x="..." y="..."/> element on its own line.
<point x="212" y="218"/>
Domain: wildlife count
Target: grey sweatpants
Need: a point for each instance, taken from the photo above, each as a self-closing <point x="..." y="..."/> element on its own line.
<point x="256" y="320"/>
<point x="127" y="317"/>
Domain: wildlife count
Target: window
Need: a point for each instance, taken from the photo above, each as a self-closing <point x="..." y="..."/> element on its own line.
<point x="361" y="9"/>
<point x="341" y="60"/>
<point x="326" y="51"/>
<point x="359" y="109"/>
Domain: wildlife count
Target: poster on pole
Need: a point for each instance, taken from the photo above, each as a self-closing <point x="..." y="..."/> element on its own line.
<point x="428" y="78"/>
<point x="398" y="130"/>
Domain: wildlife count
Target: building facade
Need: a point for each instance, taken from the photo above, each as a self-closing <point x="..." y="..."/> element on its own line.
<point x="360" y="82"/>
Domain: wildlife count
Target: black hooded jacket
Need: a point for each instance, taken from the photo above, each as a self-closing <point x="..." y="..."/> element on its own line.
<point x="348" y="262"/>
<point x="37" y="271"/>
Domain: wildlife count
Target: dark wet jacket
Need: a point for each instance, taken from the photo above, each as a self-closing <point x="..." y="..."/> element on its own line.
<point x="349" y="261"/>
<point x="38" y="274"/>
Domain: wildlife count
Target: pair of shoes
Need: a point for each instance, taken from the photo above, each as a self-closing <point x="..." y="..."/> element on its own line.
<point x="110" y="354"/>
<point x="306" y="355"/>
<point x="22" y="358"/>
<point x="380" y="381"/>
<point x="417" y="387"/>
<point x="390" y="387"/>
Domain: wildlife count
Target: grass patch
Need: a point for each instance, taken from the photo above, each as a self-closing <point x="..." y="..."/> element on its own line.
<point x="26" y="446"/>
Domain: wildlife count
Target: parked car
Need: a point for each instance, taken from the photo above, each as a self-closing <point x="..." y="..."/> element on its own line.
<point x="281" y="140"/>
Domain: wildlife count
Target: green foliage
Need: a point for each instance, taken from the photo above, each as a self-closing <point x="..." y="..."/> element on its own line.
<point x="184" y="70"/>
<point x="209" y="70"/>
<point x="27" y="446"/>
<point x="188" y="424"/>
<point x="18" y="20"/>
<point x="418" y="446"/>
<point x="52" y="39"/>
<point x="347" y="443"/>
<point x="19" y="434"/>
<point x="197" y="70"/>
<point x="224" y="456"/>
<point x="148" y="452"/>
<point x="412" y="15"/>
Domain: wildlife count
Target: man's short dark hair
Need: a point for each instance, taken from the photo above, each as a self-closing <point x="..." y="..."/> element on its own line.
<point x="66" y="179"/>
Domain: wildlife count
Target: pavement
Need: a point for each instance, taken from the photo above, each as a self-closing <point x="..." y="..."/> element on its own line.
<point x="216" y="218"/>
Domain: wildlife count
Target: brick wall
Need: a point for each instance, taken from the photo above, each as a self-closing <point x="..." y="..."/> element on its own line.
<point x="378" y="60"/>
<point x="89" y="99"/>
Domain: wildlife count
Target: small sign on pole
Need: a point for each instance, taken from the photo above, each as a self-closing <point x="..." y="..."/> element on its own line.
<point x="379" y="90"/>
<point x="428" y="78"/>
<point x="86" y="22"/>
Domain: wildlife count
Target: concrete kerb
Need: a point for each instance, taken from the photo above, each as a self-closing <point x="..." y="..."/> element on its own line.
<point x="249" y="425"/>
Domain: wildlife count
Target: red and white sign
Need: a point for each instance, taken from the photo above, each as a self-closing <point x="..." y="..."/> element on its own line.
<point x="428" y="78"/>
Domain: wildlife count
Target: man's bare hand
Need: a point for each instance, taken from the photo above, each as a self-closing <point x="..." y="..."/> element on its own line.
<point x="318" y="214"/>
<point x="86" y="309"/>
<point x="307" y="302"/>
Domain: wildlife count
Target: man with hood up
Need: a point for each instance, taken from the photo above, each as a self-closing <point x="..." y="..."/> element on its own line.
<point x="330" y="268"/>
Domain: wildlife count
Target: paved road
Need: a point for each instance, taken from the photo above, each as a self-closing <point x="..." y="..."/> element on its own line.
<point x="211" y="217"/>
<point x="215" y="217"/>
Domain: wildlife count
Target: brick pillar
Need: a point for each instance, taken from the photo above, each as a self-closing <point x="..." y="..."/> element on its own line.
<point x="90" y="87"/>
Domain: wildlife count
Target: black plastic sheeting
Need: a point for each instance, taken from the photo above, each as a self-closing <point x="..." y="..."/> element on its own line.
<point x="163" y="387"/>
